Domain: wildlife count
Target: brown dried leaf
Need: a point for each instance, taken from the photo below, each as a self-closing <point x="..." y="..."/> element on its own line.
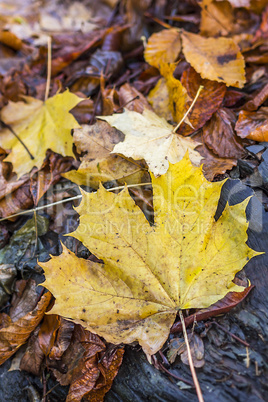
<point x="207" y="103"/>
<point x="8" y="182"/>
<point x="126" y="93"/>
<point x="177" y="347"/>
<point x="212" y="164"/>
<point x="217" y="18"/>
<point x="49" y="174"/>
<point x="163" y="47"/>
<point x="98" y="164"/>
<point x="13" y="334"/>
<point x="257" y="99"/>
<point x="89" y="370"/>
<point x="42" y="340"/>
<point x="197" y="351"/>
<point x="219" y="135"/>
<point x="217" y="59"/>
<point x="47" y="333"/>
<point x="253" y="125"/>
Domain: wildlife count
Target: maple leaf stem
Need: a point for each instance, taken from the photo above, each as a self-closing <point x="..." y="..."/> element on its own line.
<point x="195" y="379"/>
<point x="18" y="138"/>
<point x="190" y="108"/>
<point x="49" y="56"/>
<point x="77" y="197"/>
<point x="125" y="104"/>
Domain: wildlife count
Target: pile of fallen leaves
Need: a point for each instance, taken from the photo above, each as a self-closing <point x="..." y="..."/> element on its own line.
<point x="161" y="101"/>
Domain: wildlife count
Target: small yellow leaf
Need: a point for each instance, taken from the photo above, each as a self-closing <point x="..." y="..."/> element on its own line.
<point x="163" y="47"/>
<point x="217" y="59"/>
<point x="41" y="126"/>
<point x="177" y="92"/>
<point x="150" y="137"/>
<point x="158" y="97"/>
<point x="186" y="260"/>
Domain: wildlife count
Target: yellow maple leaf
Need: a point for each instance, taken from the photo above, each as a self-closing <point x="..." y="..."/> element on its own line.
<point x="217" y="59"/>
<point x="150" y="137"/>
<point x="186" y="260"/>
<point x="41" y="126"/>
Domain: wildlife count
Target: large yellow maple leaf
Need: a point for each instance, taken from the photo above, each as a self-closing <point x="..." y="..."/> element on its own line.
<point x="41" y="126"/>
<point x="185" y="260"/>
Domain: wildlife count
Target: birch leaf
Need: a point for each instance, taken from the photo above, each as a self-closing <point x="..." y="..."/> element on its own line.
<point x="186" y="260"/>
<point x="150" y="137"/>
<point x="217" y="59"/>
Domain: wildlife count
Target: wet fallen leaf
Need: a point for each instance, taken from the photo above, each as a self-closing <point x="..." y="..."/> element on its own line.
<point x="90" y="371"/>
<point x="163" y="47"/>
<point x="8" y="274"/>
<point x="15" y="332"/>
<point x="257" y="99"/>
<point x="216" y="59"/>
<point x="97" y="141"/>
<point x="177" y="347"/>
<point x="219" y="135"/>
<point x="48" y="341"/>
<point x="213" y="165"/>
<point x="208" y="101"/>
<point x="253" y="125"/>
<point x="40" y="126"/>
<point x="141" y="284"/>
<point x="150" y="137"/>
<point x="23" y="239"/>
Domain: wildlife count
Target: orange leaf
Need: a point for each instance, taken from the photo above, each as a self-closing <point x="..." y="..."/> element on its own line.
<point x="163" y="47"/>
<point x="13" y="334"/>
<point x="253" y="125"/>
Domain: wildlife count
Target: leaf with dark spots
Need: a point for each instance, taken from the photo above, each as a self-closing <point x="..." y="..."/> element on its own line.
<point x="226" y="58"/>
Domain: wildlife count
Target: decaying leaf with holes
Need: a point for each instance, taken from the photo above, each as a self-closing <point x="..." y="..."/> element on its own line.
<point x="186" y="260"/>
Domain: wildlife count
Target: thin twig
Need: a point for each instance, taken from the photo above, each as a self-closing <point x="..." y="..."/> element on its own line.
<point x="131" y="100"/>
<point x="174" y="375"/>
<point x="190" y="108"/>
<point x="49" y="57"/>
<point x="196" y="383"/>
<point x="18" y="138"/>
<point x="77" y="197"/>
<point x="231" y="334"/>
